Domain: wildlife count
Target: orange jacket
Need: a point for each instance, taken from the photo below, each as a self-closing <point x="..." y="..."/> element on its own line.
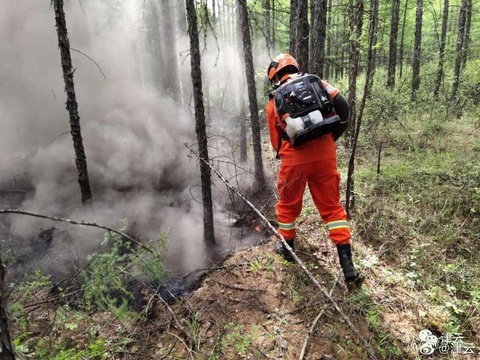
<point x="314" y="150"/>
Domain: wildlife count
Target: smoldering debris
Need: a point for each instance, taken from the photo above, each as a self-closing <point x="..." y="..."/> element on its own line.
<point x="133" y="133"/>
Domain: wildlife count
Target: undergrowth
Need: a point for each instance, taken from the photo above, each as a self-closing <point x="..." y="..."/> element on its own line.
<point x="418" y="199"/>
<point x="94" y="317"/>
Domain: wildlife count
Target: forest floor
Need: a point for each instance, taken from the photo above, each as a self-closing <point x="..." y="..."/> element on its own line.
<point x="254" y="305"/>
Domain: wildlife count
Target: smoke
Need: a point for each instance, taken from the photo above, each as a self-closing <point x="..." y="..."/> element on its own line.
<point x="133" y="132"/>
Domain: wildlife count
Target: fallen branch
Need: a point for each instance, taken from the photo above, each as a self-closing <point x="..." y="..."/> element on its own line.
<point x="81" y="223"/>
<point x="368" y="348"/>
<point x="315" y="322"/>
<point x="190" y="351"/>
<point x="236" y="287"/>
<point x="157" y="295"/>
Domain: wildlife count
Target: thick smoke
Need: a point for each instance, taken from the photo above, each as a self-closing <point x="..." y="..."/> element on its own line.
<point x="133" y="132"/>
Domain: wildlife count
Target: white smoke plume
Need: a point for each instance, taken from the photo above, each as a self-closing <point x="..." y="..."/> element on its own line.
<point x="133" y="133"/>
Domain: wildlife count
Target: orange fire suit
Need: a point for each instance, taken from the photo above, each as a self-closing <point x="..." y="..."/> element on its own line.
<point x="313" y="163"/>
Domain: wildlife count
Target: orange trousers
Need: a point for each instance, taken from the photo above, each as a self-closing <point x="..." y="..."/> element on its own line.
<point x="323" y="182"/>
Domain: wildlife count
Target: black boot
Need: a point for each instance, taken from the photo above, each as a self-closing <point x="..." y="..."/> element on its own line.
<point x="353" y="279"/>
<point x="282" y="250"/>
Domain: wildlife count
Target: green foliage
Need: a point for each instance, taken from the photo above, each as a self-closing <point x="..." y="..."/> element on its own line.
<point x="238" y="338"/>
<point x="97" y="350"/>
<point x="61" y="342"/>
<point x="37" y="285"/>
<point x="421" y="210"/>
<point x="109" y="271"/>
<point x="193" y="326"/>
<point x="106" y="287"/>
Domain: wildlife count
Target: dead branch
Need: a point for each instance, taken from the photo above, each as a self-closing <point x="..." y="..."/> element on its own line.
<point x="236" y="287"/>
<point x="81" y="223"/>
<point x="190" y="351"/>
<point x="51" y="299"/>
<point x="169" y="350"/>
<point x="88" y="57"/>
<point x="157" y="295"/>
<point x="315" y="322"/>
<point x="367" y="347"/>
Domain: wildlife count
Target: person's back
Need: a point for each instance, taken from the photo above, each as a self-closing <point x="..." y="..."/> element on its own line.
<point x="313" y="163"/>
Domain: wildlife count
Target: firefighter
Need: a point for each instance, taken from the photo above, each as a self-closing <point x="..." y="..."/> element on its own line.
<point x="313" y="163"/>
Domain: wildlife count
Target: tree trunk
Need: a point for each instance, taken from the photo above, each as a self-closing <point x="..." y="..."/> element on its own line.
<point x="214" y="14"/>
<point x="181" y="18"/>
<point x="6" y="345"/>
<point x="459" y="49"/>
<point x="417" y="49"/>
<point x="356" y="20"/>
<point x="200" y="126"/>
<point x="466" y="34"/>
<point x="185" y="80"/>
<point x="441" y="52"/>
<point x="303" y="35"/>
<point x="328" y="65"/>
<point x="71" y="105"/>
<point x="243" y="128"/>
<point x="252" y="91"/>
<point x="273" y="26"/>
<point x="350" y="199"/>
<point x="153" y="44"/>
<point x="392" y="54"/>
<point x="318" y="33"/>
<point x="266" y="24"/>
<point x="372" y="48"/>
<point x="293" y="28"/>
<point x="242" y="116"/>
<point x="403" y="38"/>
<point x="170" y="69"/>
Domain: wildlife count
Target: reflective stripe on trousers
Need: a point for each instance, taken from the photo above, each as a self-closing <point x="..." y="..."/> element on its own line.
<point x="323" y="182"/>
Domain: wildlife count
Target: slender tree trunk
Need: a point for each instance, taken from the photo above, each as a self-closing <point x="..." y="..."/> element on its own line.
<point x="356" y="21"/>
<point x="329" y="36"/>
<point x="441" y="52"/>
<point x="313" y="21"/>
<point x="252" y="91"/>
<point x="319" y="25"/>
<point x="171" y="78"/>
<point x="200" y="127"/>
<point x="403" y="38"/>
<point x="350" y="199"/>
<point x="6" y="345"/>
<point x="233" y="23"/>
<point x="273" y="26"/>
<point x="392" y="54"/>
<point x="243" y="128"/>
<point x="303" y="35"/>
<point x="71" y="105"/>
<point x="214" y="15"/>
<point x="459" y="49"/>
<point x="181" y="17"/>
<point x="293" y="28"/>
<point x="417" y="49"/>
<point x="242" y="117"/>
<point x="371" y="52"/>
<point x="153" y="44"/>
<point x="374" y="4"/>
<point x="266" y="24"/>
<point x="181" y="26"/>
<point x="466" y="34"/>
